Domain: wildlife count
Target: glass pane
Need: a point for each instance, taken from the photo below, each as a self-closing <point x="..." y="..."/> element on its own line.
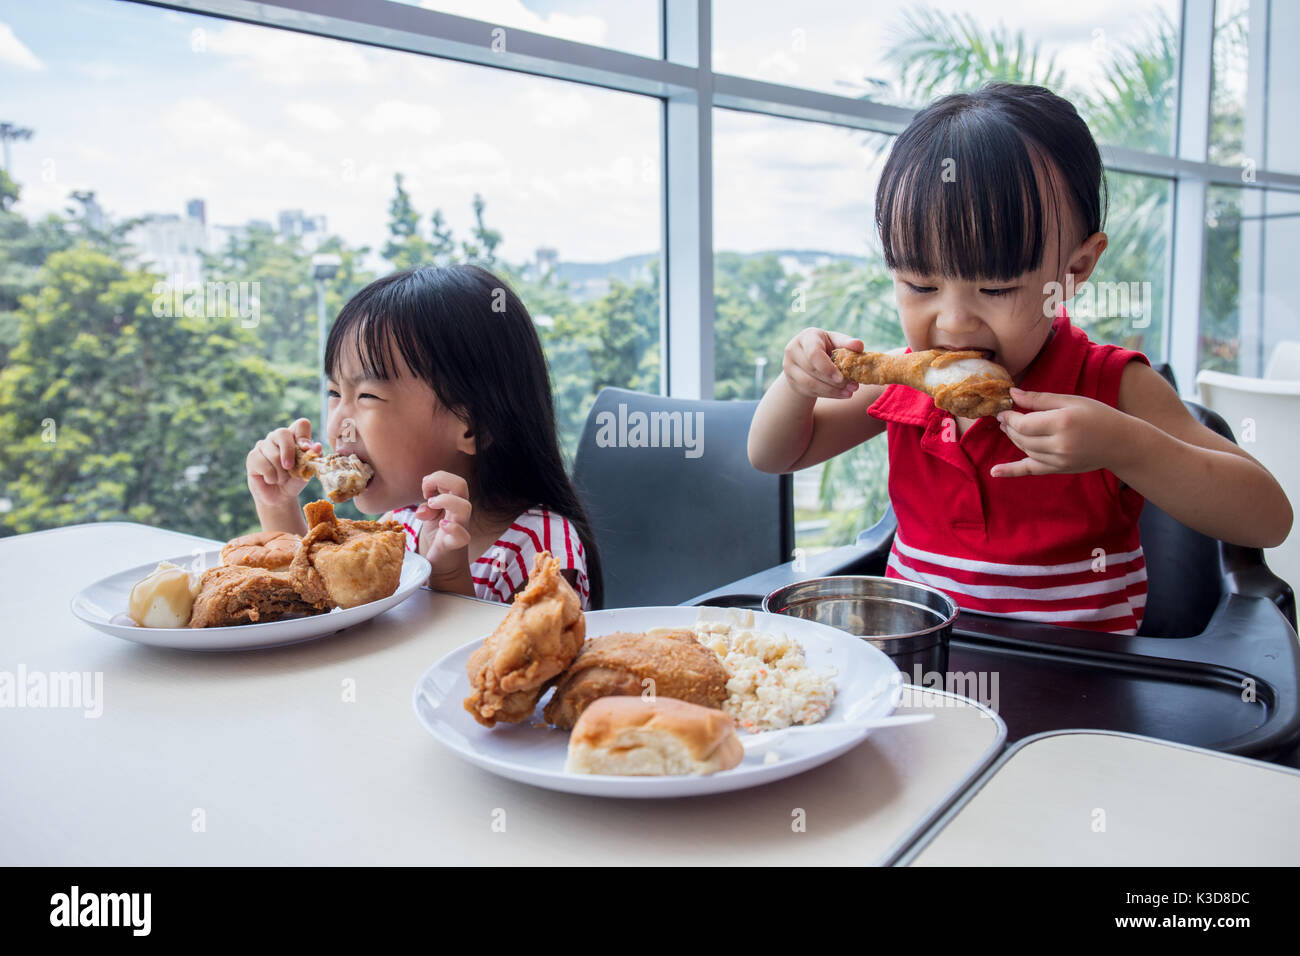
<point x="1115" y="60"/>
<point x="628" y="25"/>
<point x="1228" y="92"/>
<point x="1125" y="300"/>
<point x="1283" y="86"/>
<point x="233" y="159"/>
<point x="1252" y="240"/>
<point x="805" y="255"/>
<point x="1221" y="284"/>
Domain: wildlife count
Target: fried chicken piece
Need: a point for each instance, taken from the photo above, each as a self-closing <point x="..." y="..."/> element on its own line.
<point x="617" y="664"/>
<point x="962" y="382"/>
<point x="345" y="562"/>
<point x="342" y="477"/>
<point x="273" y="550"/>
<point x="236" y="594"/>
<point x="539" y="638"/>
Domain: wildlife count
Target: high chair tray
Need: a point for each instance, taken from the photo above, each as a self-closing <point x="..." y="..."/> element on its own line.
<point x="1055" y="678"/>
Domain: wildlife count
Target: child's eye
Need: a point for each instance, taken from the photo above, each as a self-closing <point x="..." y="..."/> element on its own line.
<point x="919" y="288"/>
<point x="332" y="394"/>
<point x="368" y="395"/>
<point x="999" y="292"/>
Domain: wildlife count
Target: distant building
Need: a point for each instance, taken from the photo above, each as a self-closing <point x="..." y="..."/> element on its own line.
<point x="171" y="244"/>
<point x="92" y="212"/>
<point x="295" y="225"/>
<point x="220" y="236"/>
<point x="547" y="258"/>
<point x="197" y="209"/>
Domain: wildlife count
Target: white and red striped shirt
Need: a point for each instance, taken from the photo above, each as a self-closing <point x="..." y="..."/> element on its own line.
<point x="1060" y="548"/>
<point x="1104" y="593"/>
<point x="504" y="567"/>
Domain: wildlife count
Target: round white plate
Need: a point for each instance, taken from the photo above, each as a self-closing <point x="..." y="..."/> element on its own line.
<point x="103" y="606"/>
<point x="535" y="755"/>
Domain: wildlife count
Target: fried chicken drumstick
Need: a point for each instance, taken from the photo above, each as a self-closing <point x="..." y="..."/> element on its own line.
<point x="342" y="477"/>
<point x="962" y="382"/>
<point x="537" y="640"/>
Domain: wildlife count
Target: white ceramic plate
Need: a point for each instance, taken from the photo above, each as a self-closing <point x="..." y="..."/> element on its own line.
<point x="535" y="755"/>
<point x="103" y="606"/>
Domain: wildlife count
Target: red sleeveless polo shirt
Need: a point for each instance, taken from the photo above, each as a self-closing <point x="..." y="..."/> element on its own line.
<point x="1062" y="549"/>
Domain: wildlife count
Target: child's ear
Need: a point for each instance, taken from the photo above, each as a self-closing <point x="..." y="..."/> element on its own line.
<point x="1085" y="256"/>
<point x="467" y="442"/>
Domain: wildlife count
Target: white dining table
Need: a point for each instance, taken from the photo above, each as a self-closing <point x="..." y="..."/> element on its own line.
<point x="1103" y="798"/>
<point x="312" y="753"/>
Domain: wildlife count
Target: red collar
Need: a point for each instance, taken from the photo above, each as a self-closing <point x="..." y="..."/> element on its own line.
<point x="1055" y="368"/>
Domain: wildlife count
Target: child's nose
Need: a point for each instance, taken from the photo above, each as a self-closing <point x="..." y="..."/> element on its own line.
<point x="957" y="319"/>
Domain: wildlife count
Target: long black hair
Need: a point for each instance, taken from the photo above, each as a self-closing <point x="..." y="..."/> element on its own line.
<point x="959" y="196"/>
<point x="463" y="330"/>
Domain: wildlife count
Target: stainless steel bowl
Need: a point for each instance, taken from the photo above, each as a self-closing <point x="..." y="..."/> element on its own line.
<point x="909" y="622"/>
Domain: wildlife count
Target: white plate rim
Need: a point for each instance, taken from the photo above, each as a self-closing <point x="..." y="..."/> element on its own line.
<point x="631" y="787"/>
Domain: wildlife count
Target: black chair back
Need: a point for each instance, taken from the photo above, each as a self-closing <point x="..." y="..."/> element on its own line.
<point x="1166" y="370"/>
<point x="675" y="505"/>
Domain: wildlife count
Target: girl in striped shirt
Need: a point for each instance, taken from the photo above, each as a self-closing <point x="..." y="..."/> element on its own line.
<point x="988" y="207"/>
<point x="438" y="381"/>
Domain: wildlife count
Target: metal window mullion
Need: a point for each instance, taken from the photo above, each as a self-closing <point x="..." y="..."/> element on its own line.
<point x="415" y="29"/>
<point x="686" y="300"/>
<point x="1195" y="70"/>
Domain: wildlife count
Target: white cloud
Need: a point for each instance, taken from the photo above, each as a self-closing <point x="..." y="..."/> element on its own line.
<point x="194" y="120"/>
<point x="313" y="116"/>
<point x="512" y="13"/>
<point x="291" y="59"/>
<point x="93" y="154"/>
<point x="15" y="53"/>
<point x="101" y="70"/>
<point x="559" y="107"/>
<point x="400" y="116"/>
<point x="275" y="159"/>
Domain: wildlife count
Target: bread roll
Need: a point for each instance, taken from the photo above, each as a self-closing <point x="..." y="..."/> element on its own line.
<point x="630" y="736"/>
<point x="272" y="550"/>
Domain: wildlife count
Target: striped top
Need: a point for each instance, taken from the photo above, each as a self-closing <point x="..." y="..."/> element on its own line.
<point x="503" y="568"/>
<point x="1061" y="549"/>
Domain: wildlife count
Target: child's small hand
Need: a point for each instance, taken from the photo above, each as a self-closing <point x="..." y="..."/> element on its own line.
<point x="1061" y="434"/>
<point x="808" y="367"/>
<point x="268" y="464"/>
<point x="444" y="535"/>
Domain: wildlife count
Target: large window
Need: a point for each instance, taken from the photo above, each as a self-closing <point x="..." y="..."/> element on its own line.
<point x="666" y="182"/>
<point x="215" y="151"/>
<point x="795" y="247"/>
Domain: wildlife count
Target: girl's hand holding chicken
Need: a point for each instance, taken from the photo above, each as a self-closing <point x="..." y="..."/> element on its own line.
<point x="271" y="481"/>
<point x="1062" y="434"/>
<point x="444" y="538"/>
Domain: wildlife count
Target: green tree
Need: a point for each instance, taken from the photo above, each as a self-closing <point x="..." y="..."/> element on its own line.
<point x="110" y="410"/>
<point x="24" y="247"/>
<point x="938" y="52"/>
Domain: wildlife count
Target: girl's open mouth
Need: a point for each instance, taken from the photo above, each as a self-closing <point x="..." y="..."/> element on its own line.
<point x="986" y="353"/>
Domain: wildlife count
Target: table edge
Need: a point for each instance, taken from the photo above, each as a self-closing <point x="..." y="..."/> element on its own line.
<point x="899" y="847"/>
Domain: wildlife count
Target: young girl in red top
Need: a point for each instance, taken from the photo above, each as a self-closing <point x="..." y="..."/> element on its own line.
<point x="437" y="380"/>
<point x="987" y="203"/>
